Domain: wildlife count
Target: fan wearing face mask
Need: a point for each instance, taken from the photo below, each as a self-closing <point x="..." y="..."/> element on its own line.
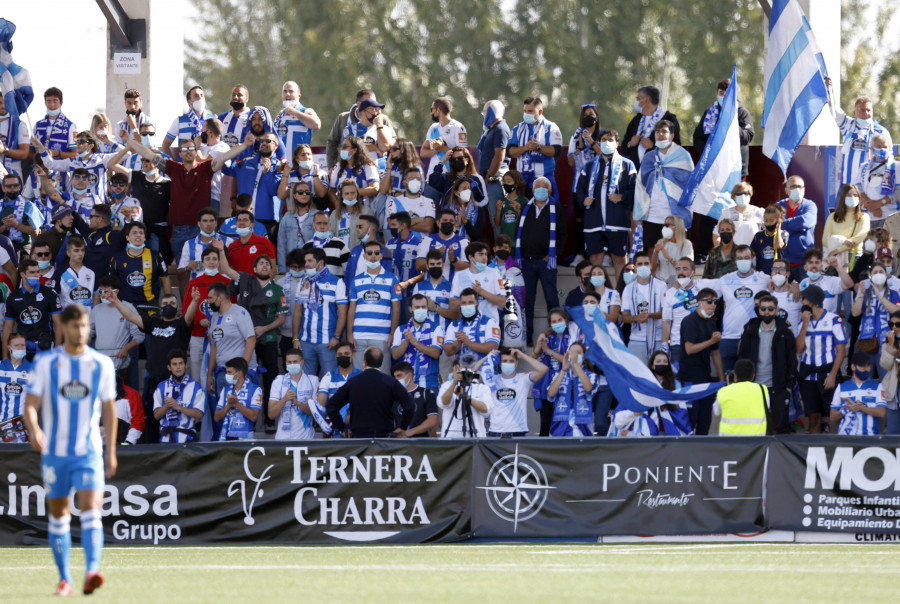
<point x="344" y="219"/>
<point x="585" y="142"/>
<point x="847" y="227"/>
<point x="801" y="217"/>
<point x="880" y="184"/>
<point x="747" y="218"/>
<point x="857" y="131"/>
<point x="188" y="126"/>
<point x="875" y="301"/>
<point x="781" y="287"/>
<point x="411" y="200"/>
<point x="767" y="244"/>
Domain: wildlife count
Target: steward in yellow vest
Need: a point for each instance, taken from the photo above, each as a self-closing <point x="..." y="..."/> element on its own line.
<point x="743" y="403"/>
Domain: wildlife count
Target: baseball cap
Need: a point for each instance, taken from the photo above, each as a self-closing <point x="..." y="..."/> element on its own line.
<point x="883" y="252"/>
<point x="368" y="104"/>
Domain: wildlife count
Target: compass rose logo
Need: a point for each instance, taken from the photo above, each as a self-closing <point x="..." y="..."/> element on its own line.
<point x="516" y="488"/>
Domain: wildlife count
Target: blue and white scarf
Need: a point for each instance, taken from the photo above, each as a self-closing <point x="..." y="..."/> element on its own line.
<point x="551" y="253"/>
<point x="887" y="182"/>
<point x="711" y="118"/>
<point x="421" y="362"/>
<point x="572" y="404"/>
<point x="196" y="121"/>
<point x="559" y="344"/>
<point x="615" y="171"/>
<point x="648" y="122"/>
<point x="311" y="296"/>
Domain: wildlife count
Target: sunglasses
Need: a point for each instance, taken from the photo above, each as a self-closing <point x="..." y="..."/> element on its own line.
<point x="148" y="133"/>
<point x="710" y="300"/>
<point x="894" y="324"/>
<point x="588" y="105"/>
<point x="184" y="149"/>
<point x="82" y="142"/>
<point x="266" y="142"/>
<point x="301" y="193"/>
<point x="42" y="254"/>
<point x="373" y="253"/>
<point x="767" y="308"/>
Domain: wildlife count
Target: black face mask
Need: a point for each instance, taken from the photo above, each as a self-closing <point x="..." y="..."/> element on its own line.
<point x="507" y="188"/>
<point x="588" y="121"/>
<point x="436" y="272"/>
<point x="660" y="369"/>
<point x="394" y="232"/>
<point x="726" y="237"/>
<point x="204" y="137"/>
<point x="214" y="307"/>
<point x="458" y="164"/>
<point x="237" y="105"/>
<point x="168" y="311"/>
<point x="344" y="362"/>
<point x="767" y="319"/>
<point x="10" y="195"/>
<point x="127" y="112"/>
<point x="502" y="254"/>
<point x="435" y="118"/>
<point x="447" y="228"/>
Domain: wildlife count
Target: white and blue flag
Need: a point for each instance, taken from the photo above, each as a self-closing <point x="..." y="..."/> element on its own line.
<point x="708" y="190"/>
<point x="15" y="83"/>
<point x="795" y="82"/>
<point x="632" y="382"/>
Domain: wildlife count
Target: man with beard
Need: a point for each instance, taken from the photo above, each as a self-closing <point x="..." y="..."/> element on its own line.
<point x="135" y="118"/>
<point x="259" y="176"/>
<point x="234" y="122"/>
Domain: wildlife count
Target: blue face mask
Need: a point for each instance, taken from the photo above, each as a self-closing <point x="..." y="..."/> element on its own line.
<point x="862" y="375"/>
<point x="529" y="118"/>
<point x="150" y="173"/>
<point x="720" y="100"/>
<point x="373" y="265"/>
<point x="297" y="274"/>
<point x="865" y="123"/>
<point x="480" y="266"/>
<point x="637" y="106"/>
<point x="242" y="231"/>
<point x="293" y="368"/>
<point x="467" y="310"/>
<point x="311" y="272"/>
<point x="79" y="191"/>
<point x="350" y="202"/>
<point x="558" y="327"/>
<point x="507" y="368"/>
<point x="83" y="154"/>
<point x="643" y="272"/>
<point x="420" y="314"/>
<point x="306" y="165"/>
<point x="345" y="154"/>
<point x="231" y="379"/>
<point x="33" y="281"/>
<point x="365" y="238"/>
<point x="597" y="280"/>
<point x="147" y="141"/>
<point x="542" y="194"/>
<point x="118" y="196"/>
<point x="880" y="154"/>
<point x="813" y="275"/>
<point x="321" y="234"/>
<point x="136" y="248"/>
<point x="628" y="277"/>
<point x="53" y="112"/>
<point x="18" y="354"/>
<point x="743" y="266"/>
<point x="43" y="264"/>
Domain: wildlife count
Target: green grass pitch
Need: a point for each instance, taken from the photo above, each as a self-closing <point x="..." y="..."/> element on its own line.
<point x="472" y="574"/>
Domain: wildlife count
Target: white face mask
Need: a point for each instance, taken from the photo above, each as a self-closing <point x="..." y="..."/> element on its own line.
<point x="414" y="186"/>
<point x="289" y="104"/>
<point x="664" y="144"/>
<point x="465" y="194"/>
<point x="199" y="106"/>
<point x="742" y="200"/>
<point x="683" y="281"/>
<point x="879" y="279"/>
<point x="102" y="131"/>
<point x="667" y="233"/>
<point x="869" y="246"/>
<point x="779" y="280"/>
<point x="851" y="202"/>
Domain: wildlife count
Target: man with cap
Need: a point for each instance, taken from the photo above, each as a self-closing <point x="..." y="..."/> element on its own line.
<point x="350" y="123"/>
<point x="62" y="224"/>
<point x="822" y="346"/>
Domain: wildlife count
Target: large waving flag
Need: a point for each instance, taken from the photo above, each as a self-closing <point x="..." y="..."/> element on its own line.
<point x="795" y="82"/>
<point x="718" y="170"/>
<point x="632" y="382"/>
<point x="15" y="83"/>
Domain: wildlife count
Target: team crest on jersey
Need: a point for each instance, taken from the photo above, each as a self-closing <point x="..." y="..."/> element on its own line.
<point x="75" y="390"/>
<point x="691" y="304"/>
<point x="269" y="293"/>
<point x="13" y="389"/>
<point x="136" y="279"/>
<point x="40" y="297"/>
<point x="230" y="139"/>
<point x="372" y="296"/>
<point x="495" y="331"/>
<point x="743" y="293"/>
<point x="217" y="334"/>
<point x="506" y="394"/>
<point x="146" y="264"/>
<point x="398" y="290"/>
<point x="80" y="294"/>
<point x="30" y="316"/>
<point x="252" y="249"/>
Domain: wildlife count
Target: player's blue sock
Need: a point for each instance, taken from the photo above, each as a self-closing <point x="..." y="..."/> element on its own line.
<point x="61" y="544"/>
<point x="92" y="538"/>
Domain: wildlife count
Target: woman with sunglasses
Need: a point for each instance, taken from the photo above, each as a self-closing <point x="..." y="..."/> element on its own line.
<point x="890" y="367"/>
<point x="585" y="142"/>
<point x="457" y="166"/>
<point x="303" y="168"/>
<point x="296" y="227"/>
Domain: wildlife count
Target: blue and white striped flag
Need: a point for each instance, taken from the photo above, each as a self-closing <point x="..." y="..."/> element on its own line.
<point x="15" y="83"/>
<point x="795" y="82"/>
<point x="632" y="382"/>
<point x="708" y="191"/>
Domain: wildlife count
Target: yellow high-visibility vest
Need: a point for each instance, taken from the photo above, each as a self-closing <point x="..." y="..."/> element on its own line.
<point x="744" y="407"/>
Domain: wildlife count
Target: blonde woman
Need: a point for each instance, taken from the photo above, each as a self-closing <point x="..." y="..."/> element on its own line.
<point x="673" y="246"/>
<point x="847" y="227"/>
<point x="102" y="130"/>
<point x="346" y="214"/>
<point x="295" y="227"/>
<point x="747" y="219"/>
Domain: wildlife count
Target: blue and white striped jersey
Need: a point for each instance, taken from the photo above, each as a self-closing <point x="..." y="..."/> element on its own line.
<point x="96" y="165"/>
<point x="187" y="393"/>
<point x="440" y="294"/>
<point x="832" y="287"/>
<point x="187" y="126"/>
<point x="318" y="325"/>
<point x="291" y="130"/>
<point x="373" y="296"/>
<point x="453" y="134"/>
<point x="234" y="127"/>
<point x="404" y="254"/>
<point x="855" y="147"/>
<point x="677" y="304"/>
<point x="13" y="381"/>
<point x="510" y="411"/>
<point x="533" y="163"/>
<point x="822" y="338"/>
<point x="857" y="423"/>
<point x="294" y="424"/>
<point x="72" y="389"/>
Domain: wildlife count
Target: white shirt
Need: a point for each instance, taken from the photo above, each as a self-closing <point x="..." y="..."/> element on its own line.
<point x="453" y="135"/>
<point x="418" y="207"/>
<point x="737" y="292"/>
<point x="490" y="280"/>
<point x="510" y="409"/>
<point x="746" y="224"/>
<point x="452" y="424"/>
<point x="294" y="424"/>
<point x="214" y="151"/>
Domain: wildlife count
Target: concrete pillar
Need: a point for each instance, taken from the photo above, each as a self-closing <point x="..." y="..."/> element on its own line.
<point x="161" y="80"/>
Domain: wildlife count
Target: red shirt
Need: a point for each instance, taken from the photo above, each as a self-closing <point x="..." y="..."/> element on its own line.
<point x="242" y="255"/>
<point x="202" y="283"/>
<point x="189" y="192"/>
